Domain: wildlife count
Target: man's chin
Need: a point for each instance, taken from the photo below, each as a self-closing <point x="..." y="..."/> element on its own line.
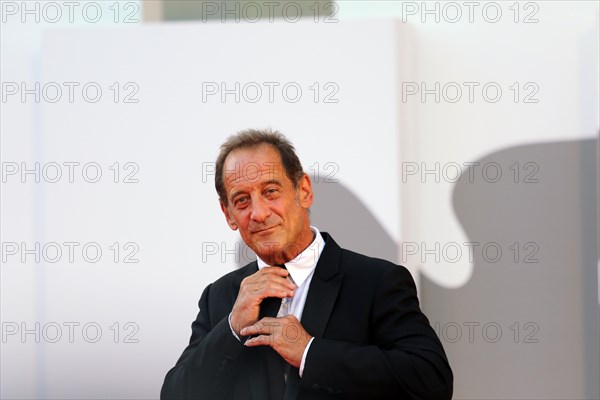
<point x="265" y="246"/>
<point x="271" y="258"/>
<point x="268" y="248"/>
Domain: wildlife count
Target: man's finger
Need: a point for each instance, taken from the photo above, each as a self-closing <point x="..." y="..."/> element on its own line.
<point x="260" y="340"/>
<point x="271" y="278"/>
<point x="270" y="288"/>
<point x="281" y="292"/>
<point x="263" y="327"/>
<point x="275" y="270"/>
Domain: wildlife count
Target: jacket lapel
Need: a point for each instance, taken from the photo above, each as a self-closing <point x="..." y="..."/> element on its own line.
<point x="322" y="293"/>
<point x="323" y="289"/>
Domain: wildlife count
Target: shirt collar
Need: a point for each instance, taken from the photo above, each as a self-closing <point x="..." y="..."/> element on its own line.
<point x="304" y="264"/>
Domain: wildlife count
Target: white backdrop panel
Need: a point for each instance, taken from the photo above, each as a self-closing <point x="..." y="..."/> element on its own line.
<point x="171" y="135"/>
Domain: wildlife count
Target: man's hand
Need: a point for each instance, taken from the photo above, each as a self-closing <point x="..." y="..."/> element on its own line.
<point x="285" y="335"/>
<point x="267" y="282"/>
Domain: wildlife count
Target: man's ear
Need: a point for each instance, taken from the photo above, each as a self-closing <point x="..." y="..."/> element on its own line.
<point x="232" y="224"/>
<point x="305" y="191"/>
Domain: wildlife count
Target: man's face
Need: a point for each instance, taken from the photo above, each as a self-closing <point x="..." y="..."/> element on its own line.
<point x="264" y="205"/>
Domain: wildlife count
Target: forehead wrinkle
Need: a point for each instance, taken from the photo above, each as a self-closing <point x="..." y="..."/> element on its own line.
<point x="244" y="168"/>
<point x="272" y="181"/>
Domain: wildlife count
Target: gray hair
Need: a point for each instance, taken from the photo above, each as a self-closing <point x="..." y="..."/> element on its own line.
<point x="250" y="138"/>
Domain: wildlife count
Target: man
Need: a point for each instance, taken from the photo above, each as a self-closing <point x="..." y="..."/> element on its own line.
<point x="307" y="319"/>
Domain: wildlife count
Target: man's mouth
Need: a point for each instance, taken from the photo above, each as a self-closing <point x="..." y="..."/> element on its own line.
<point x="263" y="230"/>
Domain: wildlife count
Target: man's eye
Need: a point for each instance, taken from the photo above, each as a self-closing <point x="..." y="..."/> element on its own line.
<point x="271" y="191"/>
<point x="241" y="201"/>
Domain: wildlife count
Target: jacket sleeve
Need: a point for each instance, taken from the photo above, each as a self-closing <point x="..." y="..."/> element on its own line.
<point x="203" y="369"/>
<point x="403" y="360"/>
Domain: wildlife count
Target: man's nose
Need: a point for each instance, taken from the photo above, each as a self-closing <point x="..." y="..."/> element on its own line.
<point x="260" y="210"/>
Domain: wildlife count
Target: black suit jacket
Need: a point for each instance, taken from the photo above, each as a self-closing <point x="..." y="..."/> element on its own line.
<point x="371" y="340"/>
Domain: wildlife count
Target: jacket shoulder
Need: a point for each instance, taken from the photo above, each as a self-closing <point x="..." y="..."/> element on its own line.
<point x="363" y="265"/>
<point x="233" y="279"/>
